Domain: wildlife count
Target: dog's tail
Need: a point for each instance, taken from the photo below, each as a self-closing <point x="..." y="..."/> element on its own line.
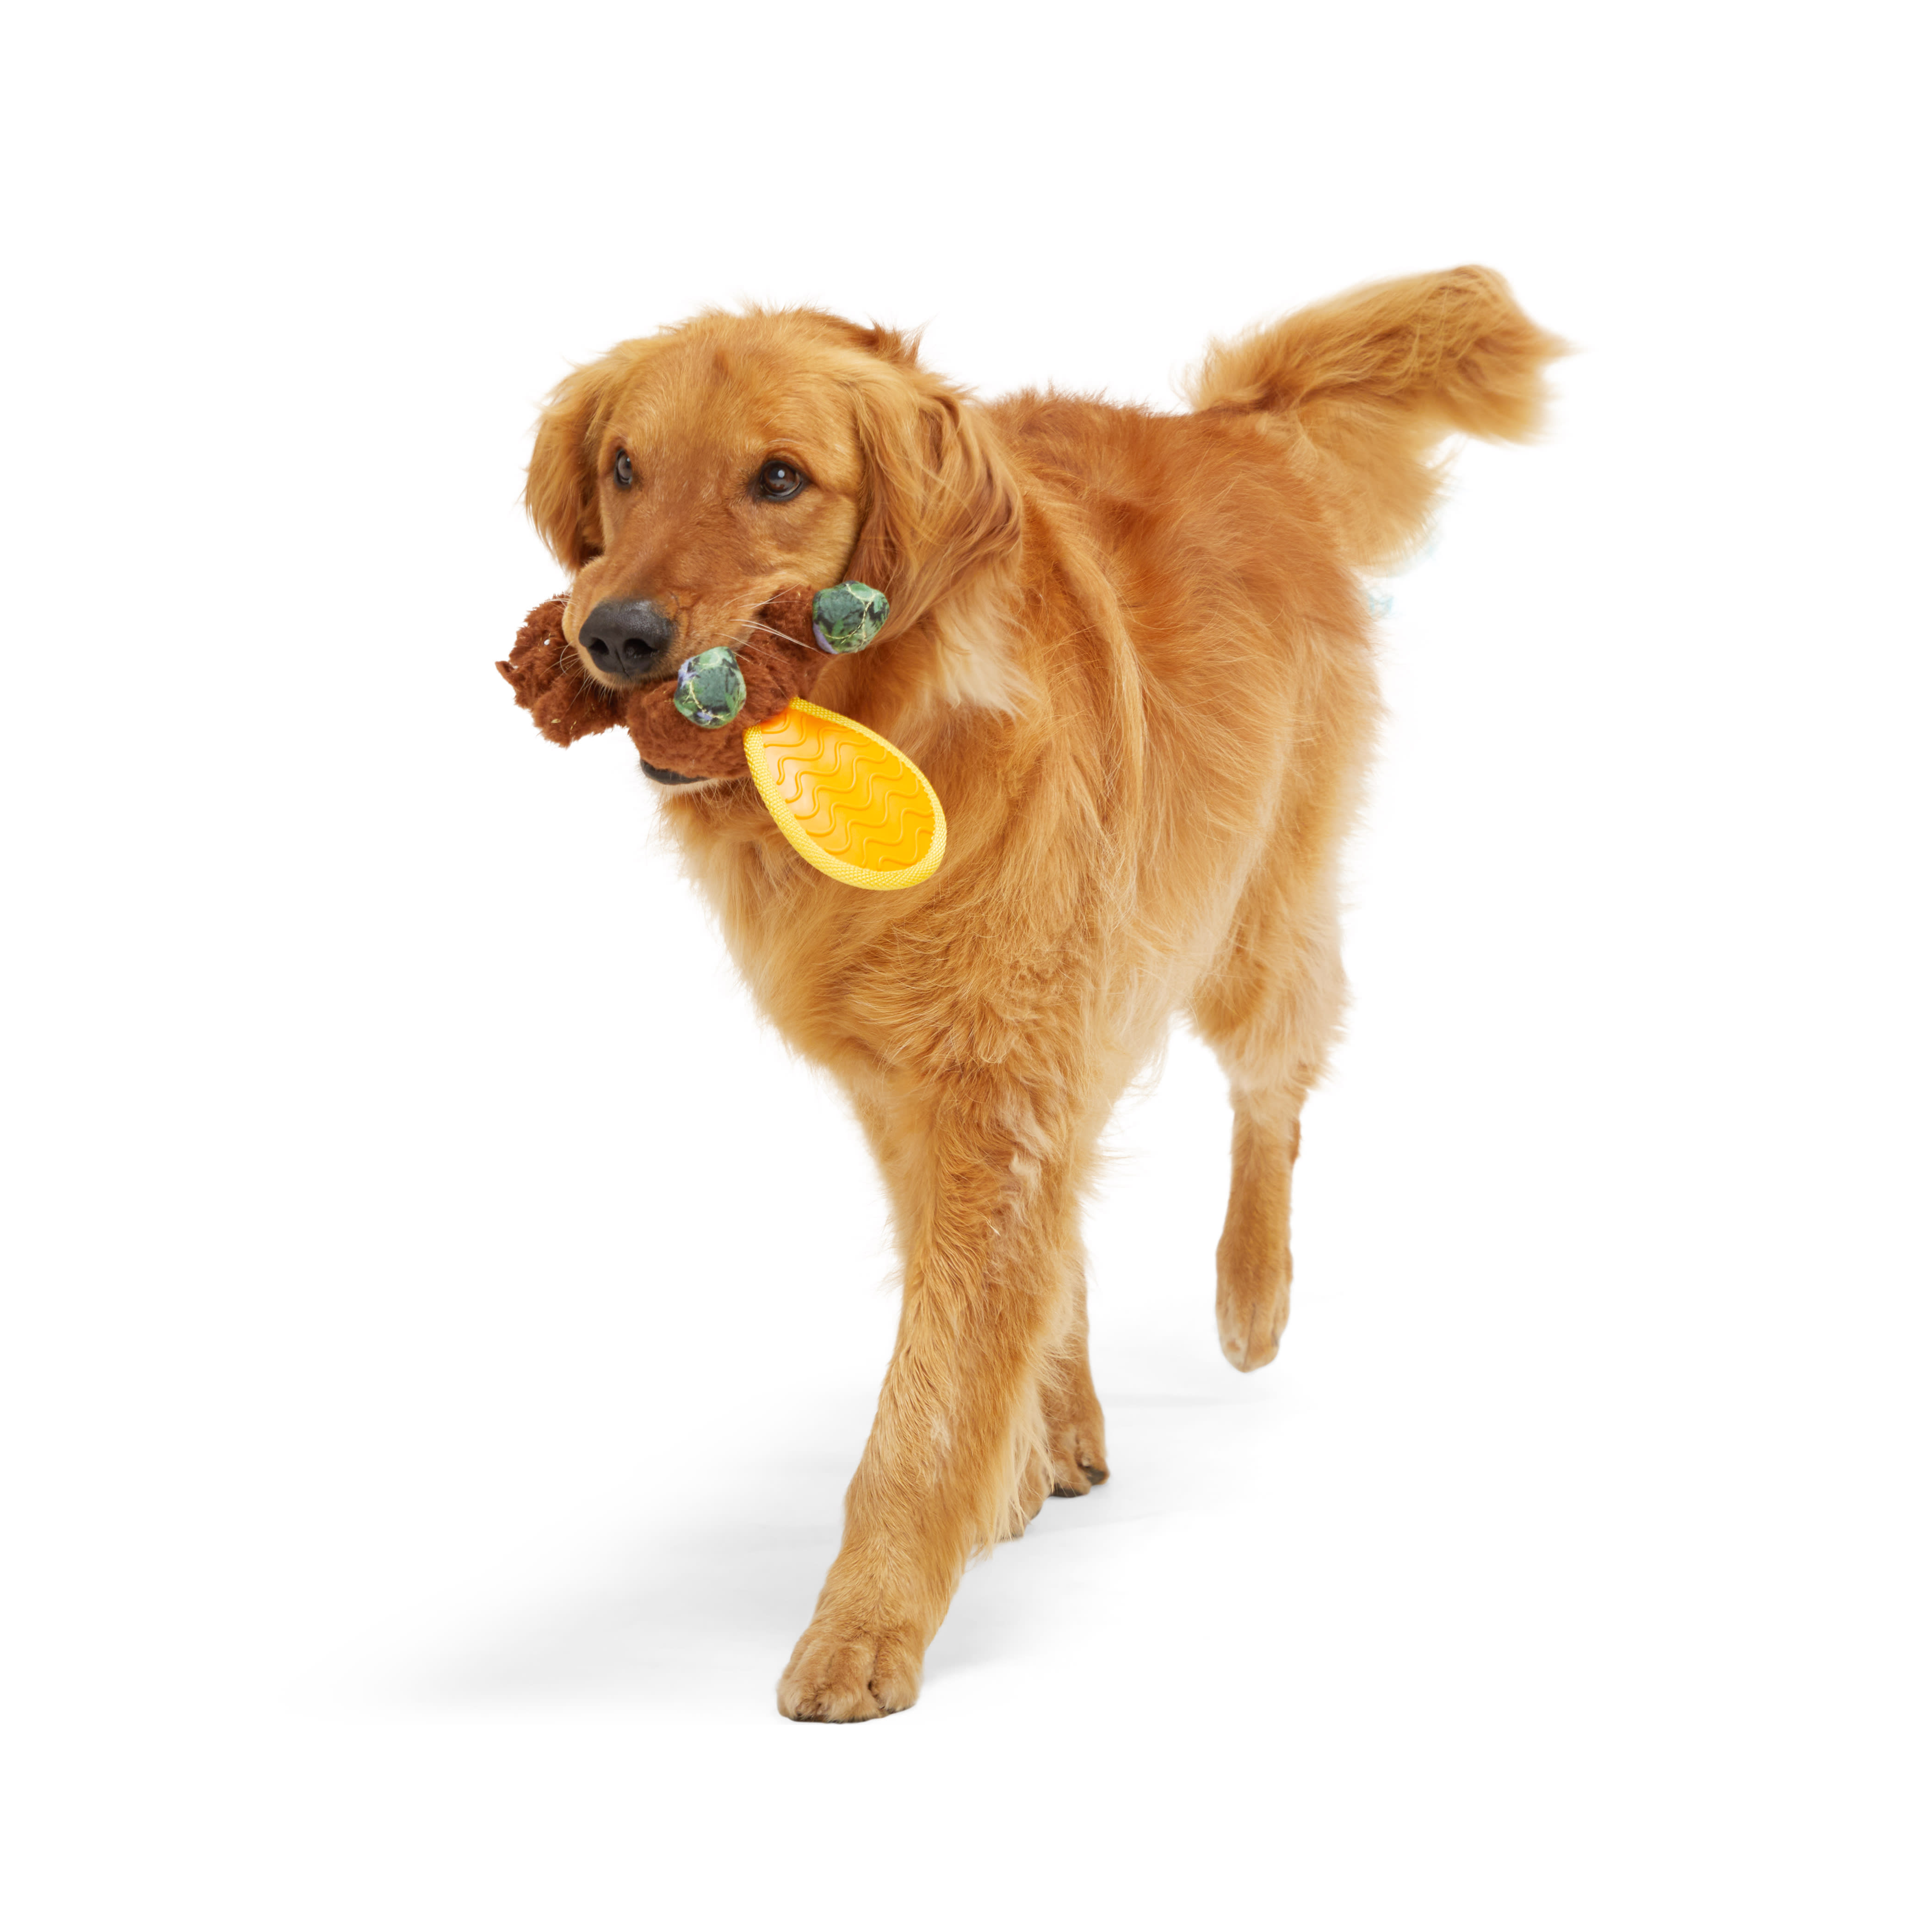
<point x="1366" y="385"/>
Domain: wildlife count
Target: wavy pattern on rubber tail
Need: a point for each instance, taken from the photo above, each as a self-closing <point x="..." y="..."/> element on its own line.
<point x="848" y="795"/>
<point x="853" y="805"/>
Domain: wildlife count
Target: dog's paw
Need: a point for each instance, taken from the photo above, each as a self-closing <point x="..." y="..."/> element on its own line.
<point x="1251" y="1316"/>
<point x="842" y="1673"/>
<point x="1077" y="1445"/>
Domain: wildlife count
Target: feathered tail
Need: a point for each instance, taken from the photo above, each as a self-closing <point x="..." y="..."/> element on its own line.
<point x="1364" y="386"/>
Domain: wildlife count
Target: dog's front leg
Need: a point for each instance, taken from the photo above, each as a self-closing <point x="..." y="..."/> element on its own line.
<point x="957" y="1457"/>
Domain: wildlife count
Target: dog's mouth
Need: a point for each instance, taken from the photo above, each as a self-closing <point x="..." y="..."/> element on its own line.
<point x="669" y="778"/>
<point x="715" y="684"/>
<point x="667" y="775"/>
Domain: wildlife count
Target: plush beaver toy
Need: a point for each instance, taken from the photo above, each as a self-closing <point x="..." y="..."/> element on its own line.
<point x="851" y="805"/>
<point x="782" y="661"/>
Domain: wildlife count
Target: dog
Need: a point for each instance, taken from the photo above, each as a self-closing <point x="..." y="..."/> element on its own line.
<point x="1132" y="650"/>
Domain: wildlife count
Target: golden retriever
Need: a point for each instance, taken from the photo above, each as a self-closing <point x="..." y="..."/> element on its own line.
<point x="1132" y="651"/>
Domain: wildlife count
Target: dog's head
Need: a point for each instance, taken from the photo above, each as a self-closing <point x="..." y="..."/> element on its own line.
<point x="687" y="477"/>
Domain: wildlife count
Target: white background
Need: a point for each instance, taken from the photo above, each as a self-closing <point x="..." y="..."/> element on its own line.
<point x="410" y="1500"/>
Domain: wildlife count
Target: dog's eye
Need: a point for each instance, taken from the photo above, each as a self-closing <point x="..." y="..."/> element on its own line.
<point x="777" y="481"/>
<point x="621" y="469"/>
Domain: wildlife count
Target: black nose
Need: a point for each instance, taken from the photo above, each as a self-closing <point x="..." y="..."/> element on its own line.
<point x="629" y="636"/>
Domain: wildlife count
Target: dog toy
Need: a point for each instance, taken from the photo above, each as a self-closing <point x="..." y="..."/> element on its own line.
<point x="848" y="802"/>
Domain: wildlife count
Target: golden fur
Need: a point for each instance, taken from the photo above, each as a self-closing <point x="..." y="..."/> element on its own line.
<point x="1132" y="653"/>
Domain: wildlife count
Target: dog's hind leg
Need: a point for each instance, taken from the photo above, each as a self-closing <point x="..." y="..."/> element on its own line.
<point x="1253" y="1265"/>
<point x="1269" y="1008"/>
<point x="1076" y="1434"/>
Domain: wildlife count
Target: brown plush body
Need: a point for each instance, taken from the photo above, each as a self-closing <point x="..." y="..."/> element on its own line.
<point x="779" y="661"/>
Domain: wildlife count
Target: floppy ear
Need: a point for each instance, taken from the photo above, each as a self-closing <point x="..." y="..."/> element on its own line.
<point x="561" y="490"/>
<point x="941" y="501"/>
